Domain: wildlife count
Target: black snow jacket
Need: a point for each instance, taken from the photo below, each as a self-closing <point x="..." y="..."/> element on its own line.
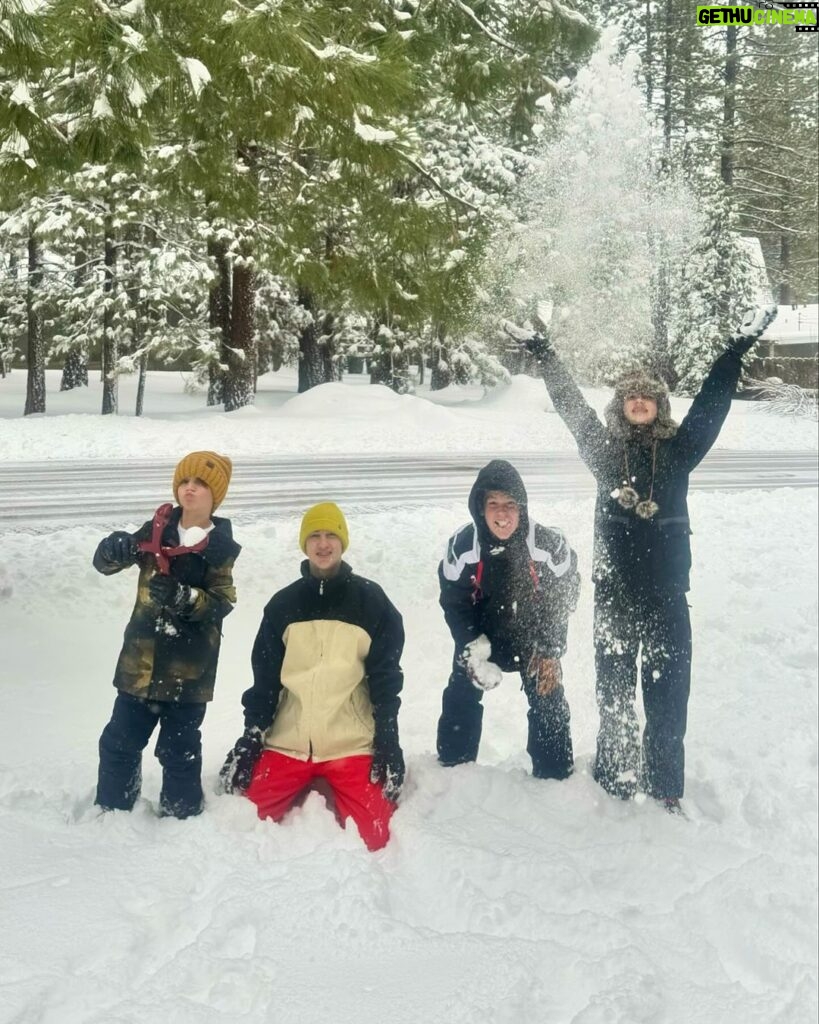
<point x="518" y="592"/>
<point x="172" y="656"/>
<point x="630" y="553"/>
<point x="326" y="666"/>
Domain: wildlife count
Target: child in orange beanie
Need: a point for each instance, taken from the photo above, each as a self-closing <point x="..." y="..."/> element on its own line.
<point x="167" y="666"/>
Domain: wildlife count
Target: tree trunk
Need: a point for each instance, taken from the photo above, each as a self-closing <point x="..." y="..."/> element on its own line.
<point x="387" y="367"/>
<point x="7" y="352"/>
<point x="649" y="70"/>
<point x="312" y="365"/>
<point x="687" y="45"/>
<point x="35" y="361"/>
<point x="330" y="364"/>
<point x="110" y="348"/>
<point x="140" y="396"/>
<point x="440" y="374"/>
<point x="75" y="370"/>
<point x="75" y="367"/>
<point x="219" y="313"/>
<point x="662" y="363"/>
<point x="726" y="165"/>
<point x="785" y="296"/>
<point x="241" y="361"/>
<point x="668" y="85"/>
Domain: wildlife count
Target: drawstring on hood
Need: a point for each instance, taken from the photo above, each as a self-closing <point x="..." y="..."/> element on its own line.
<point x="628" y="497"/>
<point x="639" y="382"/>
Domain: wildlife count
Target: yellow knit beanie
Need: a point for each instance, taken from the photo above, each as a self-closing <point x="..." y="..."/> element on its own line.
<point x="326" y="516"/>
<point x="212" y="468"/>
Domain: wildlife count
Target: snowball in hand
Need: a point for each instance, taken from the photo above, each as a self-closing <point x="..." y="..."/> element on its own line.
<point x="482" y="672"/>
<point x="545" y="309"/>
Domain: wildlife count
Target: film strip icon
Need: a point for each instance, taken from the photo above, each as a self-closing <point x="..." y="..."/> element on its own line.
<point x="800" y="5"/>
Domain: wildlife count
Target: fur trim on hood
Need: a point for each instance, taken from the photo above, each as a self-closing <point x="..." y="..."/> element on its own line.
<point x="641" y="383"/>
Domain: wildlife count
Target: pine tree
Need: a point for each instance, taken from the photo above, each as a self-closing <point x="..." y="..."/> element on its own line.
<point x="711" y="288"/>
<point x="776" y="162"/>
<point x="495" y="67"/>
<point x="35" y="352"/>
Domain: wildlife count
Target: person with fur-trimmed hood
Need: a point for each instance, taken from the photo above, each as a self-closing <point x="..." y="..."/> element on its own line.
<point x="642" y="461"/>
<point x="508" y="586"/>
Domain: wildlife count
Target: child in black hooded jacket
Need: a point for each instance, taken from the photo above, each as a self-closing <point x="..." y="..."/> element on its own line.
<point x="508" y="586"/>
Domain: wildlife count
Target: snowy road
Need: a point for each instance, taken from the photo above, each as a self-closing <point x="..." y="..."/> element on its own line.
<point x="42" y="494"/>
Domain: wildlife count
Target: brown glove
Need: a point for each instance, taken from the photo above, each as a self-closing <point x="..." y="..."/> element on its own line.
<point x="546" y="672"/>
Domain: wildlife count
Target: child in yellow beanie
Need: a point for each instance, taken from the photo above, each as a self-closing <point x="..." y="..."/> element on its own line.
<point x="326" y="691"/>
<point x="167" y="666"/>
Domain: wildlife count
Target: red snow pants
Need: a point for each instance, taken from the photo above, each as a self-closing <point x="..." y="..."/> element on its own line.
<point x="278" y="781"/>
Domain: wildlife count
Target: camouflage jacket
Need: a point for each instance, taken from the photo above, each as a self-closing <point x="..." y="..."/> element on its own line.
<point x="169" y="656"/>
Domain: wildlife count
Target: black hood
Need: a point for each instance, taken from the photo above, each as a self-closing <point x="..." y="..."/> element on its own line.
<point x="498" y="475"/>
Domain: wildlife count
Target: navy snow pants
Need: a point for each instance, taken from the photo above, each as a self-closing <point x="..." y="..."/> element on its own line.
<point x="178" y="748"/>
<point x="459" y="727"/>
<point x="660" y="624"/>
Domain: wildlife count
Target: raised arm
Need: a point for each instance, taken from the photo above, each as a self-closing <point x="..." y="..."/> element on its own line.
<point x="701" y="426"/>
<point x="116" y="552"/>
<point x="568" y="400"/>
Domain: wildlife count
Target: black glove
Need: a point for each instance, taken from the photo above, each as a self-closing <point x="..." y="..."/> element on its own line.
<point x="388" y="758"/>
<point x="168" y="592"/>
<point x="236" y="772"/>
<point x="540" y="346"/>
<point x="536" y="343"/>
<point x="119" y="548"/>
<point x="753" y="325"/>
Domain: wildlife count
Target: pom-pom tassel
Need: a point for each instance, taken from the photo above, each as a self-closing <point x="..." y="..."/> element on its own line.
<point x="647" y="509"/>
<point x="628" y="497"/>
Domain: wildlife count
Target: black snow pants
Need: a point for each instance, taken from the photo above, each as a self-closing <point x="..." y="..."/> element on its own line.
<point x="178" y="748"/>
<point x="459" y="727"/>
<point x="659" y="623"/>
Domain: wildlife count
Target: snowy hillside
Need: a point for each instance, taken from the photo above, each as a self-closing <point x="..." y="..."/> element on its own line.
<point x="518" y="417"/>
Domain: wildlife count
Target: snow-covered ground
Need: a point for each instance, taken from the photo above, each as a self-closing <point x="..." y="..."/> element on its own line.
<point x="501" y="899"/>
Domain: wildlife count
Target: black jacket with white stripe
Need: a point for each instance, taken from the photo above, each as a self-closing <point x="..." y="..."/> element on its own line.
<point x="519" y="592"/>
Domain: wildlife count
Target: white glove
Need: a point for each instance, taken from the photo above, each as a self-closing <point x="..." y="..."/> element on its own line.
<point x="543" y="314"/>
<point x="519" y="334"/>
<point x="753" y="325"/>
<point x="756" y="320"/>
<point x="483" y="673"/>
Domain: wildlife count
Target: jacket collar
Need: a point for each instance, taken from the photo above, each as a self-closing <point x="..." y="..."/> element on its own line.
<point x="326" y="587"/>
